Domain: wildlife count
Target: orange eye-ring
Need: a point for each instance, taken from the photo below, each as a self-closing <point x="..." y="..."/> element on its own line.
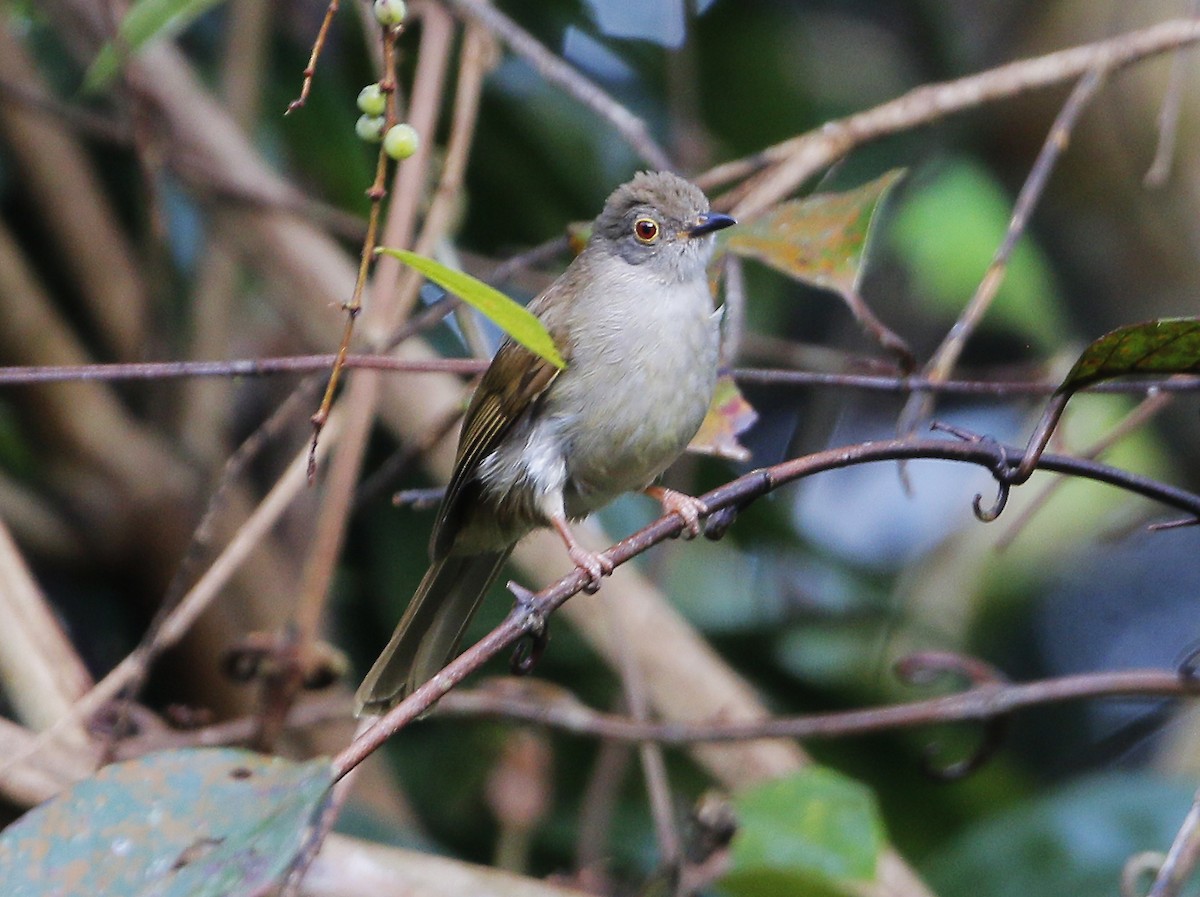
<point x="646" y="230"/>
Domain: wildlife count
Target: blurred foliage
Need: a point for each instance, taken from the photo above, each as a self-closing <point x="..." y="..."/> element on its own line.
<point x="815" y="832"/>
<point x="815" y="591"/>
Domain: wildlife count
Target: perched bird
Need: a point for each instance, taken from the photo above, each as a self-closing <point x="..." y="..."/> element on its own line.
<point x="633" y="317"/>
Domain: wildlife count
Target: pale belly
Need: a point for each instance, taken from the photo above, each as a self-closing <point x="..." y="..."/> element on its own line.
<point x="596" y="436"/>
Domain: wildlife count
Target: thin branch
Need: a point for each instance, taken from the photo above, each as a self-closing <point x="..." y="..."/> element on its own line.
<point x="795" y="160"/>
<point x="1168" y="116"/>
<point x="530" y="613"/>
<point x="654" y="767"/>
<point x="311" y="69"/>
<point x="556" y="71"/>
<point x="1181" y="859"/>
<point x="21" y="375"/>
<point x="920" y="405"/>
<point x="555" y="709"/>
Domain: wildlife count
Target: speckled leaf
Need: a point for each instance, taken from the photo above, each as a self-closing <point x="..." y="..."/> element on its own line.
<point x="728" y="417"/>
<point x="145" y="21"/>
<point x="816" y="832"/>
<point x="511" y="317"/>
<point x="821" y="239"/>
<point x="1164" y="346"/>
<point x="186" y="823"/>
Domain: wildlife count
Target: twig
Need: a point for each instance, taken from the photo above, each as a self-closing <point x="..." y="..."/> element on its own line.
<point x="797" y="159"/>
<point x="1181" y="859"/>
<point x="920" y="405"/>
<point x="311" y="68"/>
<point x="436" y="36"/>
<point x="250" y="367"/>
<point x="565" y="713"/>
<point x="1168" y="117"/>
<point x="400" y="210"/>
<point x="478" y="55"/>
<point x="22" y="375"/>
<point x="205" y="406"/>
<point x="556" y="71"/>
<point x="654" y="768"/>
<point x="527" y="616"/>
<point x="597" y="807"/>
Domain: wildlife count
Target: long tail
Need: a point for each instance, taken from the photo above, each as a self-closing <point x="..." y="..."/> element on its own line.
<point x="429" y="632"/>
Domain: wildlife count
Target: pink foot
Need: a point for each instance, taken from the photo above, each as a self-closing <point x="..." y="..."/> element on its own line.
<point x="688" y="507"/>
<point x="594" y="565"/>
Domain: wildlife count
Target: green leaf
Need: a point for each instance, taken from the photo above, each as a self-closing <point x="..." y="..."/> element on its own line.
<point x="511" y="317"/>
<point x="145" y="21"/>
<point x="185" y="823"/>
<point x="1164" y="346"/>
<point x="821" y="240"/>
<point x="816" y="832"/>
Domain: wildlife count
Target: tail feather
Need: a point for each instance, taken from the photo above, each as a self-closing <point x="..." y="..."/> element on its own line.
<point x="428" y="634"/>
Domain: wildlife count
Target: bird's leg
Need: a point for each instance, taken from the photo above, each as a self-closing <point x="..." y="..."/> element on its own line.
<point x="593" y="564"/>
<point x="688" y="507"/>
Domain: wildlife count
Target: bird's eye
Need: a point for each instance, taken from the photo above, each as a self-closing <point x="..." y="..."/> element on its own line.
<point x="646" y="230"/>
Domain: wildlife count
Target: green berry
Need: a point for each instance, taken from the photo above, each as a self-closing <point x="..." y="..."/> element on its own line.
<point x="372" y="100"/>
<point x="390" y="13"/>
<point x="369" y="128"/>
<point x="401" y="141"/>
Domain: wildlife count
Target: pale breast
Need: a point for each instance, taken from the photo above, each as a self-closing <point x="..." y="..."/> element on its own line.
<point x="648" y="388"/>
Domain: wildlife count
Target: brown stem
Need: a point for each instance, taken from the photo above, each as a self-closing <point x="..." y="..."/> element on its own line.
<point x="311" y="69"/>
<point x="920" y="405"/>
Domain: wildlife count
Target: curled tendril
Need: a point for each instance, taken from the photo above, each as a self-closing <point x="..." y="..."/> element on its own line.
<point x="1138" y="869"/>
<point x="1002" y="470"/>
<point x="532" y="645"/>
<point x="987" y="515"/>
<point x="993" y="735"/>
<point x="929" y="667"/>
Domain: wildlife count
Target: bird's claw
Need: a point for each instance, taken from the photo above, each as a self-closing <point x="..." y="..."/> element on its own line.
<point x="688" y="507"/>
<point x="594" y="565"/>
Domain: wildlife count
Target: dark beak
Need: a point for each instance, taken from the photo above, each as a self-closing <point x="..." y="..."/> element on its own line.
<point x="709" y="222"/>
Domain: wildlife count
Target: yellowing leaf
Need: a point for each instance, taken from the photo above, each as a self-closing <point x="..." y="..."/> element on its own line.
<point x="511" y="317"/>
<point x="728" y="417"/>
<point x="820" y="240"/>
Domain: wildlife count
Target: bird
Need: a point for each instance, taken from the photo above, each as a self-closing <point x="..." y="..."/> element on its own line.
<point x="633" y="316"/>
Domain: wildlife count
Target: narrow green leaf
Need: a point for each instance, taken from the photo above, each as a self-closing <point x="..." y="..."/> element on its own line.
<point x="511" y="317"/>
<point x="814" y="833"/>
<point x="185" y="823"/>
<point x="145" y="21"/>
<point x="821" y="240"/>
<point x="1164" y="346"/>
